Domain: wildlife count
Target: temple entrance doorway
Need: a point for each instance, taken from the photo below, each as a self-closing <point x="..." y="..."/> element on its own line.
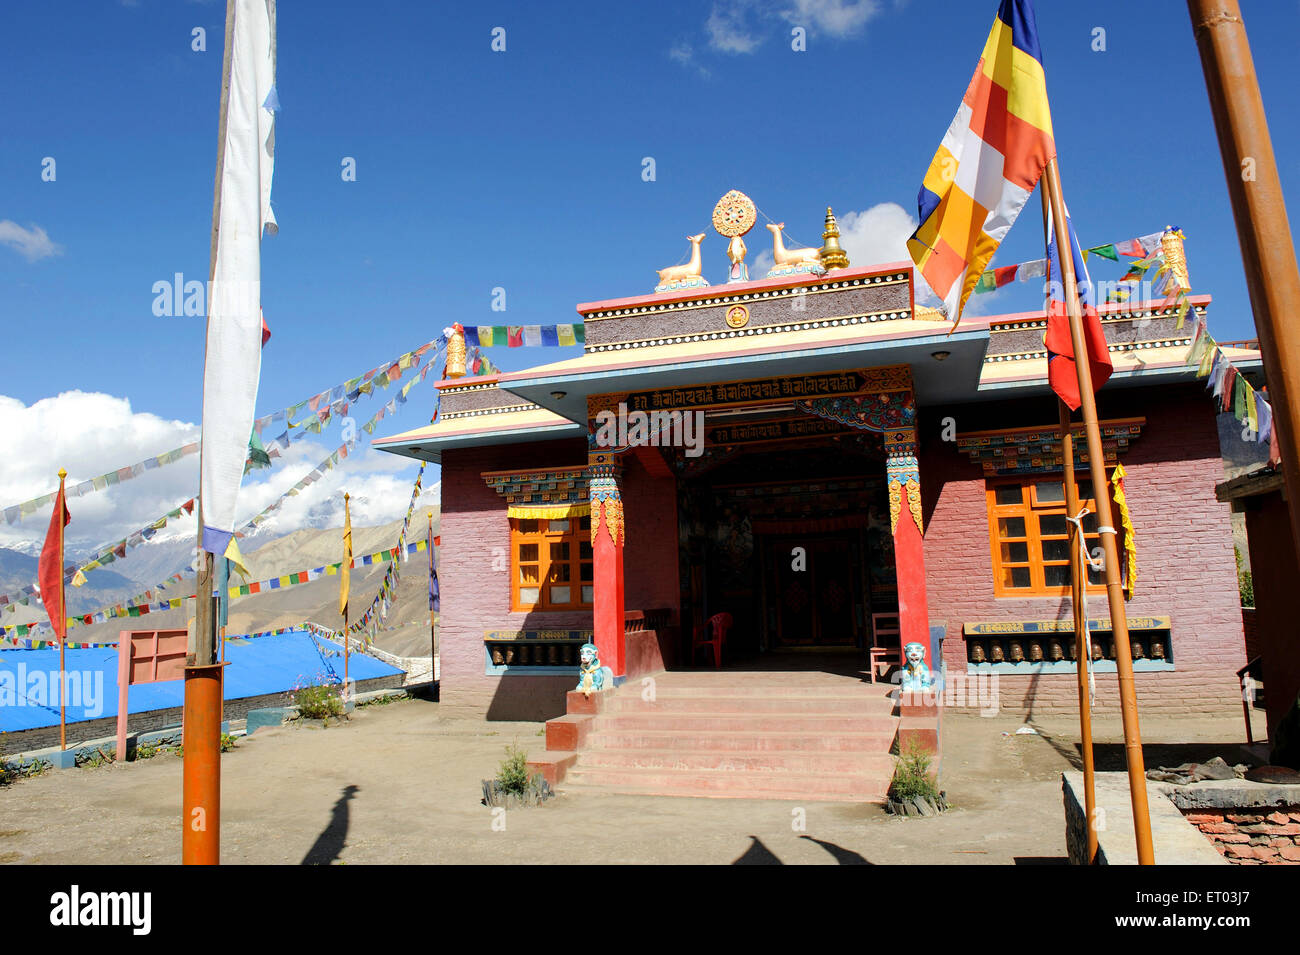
<point x="793" y="541"/>
<point x="814" y="592"/>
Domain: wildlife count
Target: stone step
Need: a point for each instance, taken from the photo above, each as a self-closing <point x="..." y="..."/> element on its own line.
<point x="766" y="705"/>
<point x="771" y="762"/>
<point x="817" y="787"/>
<point x="807" y="723"/>
<point x="741" y="742"/>
<point x="717" y="690"/>
<point x="763" y="678"/>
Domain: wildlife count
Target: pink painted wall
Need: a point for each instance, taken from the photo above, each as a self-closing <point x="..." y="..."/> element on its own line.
<point x="1186" y="567"/>
<point x="475" y="598"/>
<point x="650" y="543"/>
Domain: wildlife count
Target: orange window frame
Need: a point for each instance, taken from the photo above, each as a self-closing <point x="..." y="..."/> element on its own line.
<point x="1038" y="547"/>
<point x="545" y="557"/>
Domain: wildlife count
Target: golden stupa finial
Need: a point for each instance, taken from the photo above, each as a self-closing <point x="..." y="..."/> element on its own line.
<point x="832" y="256"/>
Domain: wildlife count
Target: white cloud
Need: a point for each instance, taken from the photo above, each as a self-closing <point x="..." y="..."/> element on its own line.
<point x="732" y="27"/>
<point x="92" y="433"/>
<point x="876" y="235"/>
<point x="834" y="18"/>
<point x="738" y="27"/>
<point x="32" y="244"/>
<point x="684" y="53"/>
<point x="879" y="235"/>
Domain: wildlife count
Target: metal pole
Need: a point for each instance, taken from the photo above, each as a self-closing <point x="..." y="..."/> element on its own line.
<point x="1114" y="589"/>
<point x="1267" y="252"/>
<point x="201" y="785"/>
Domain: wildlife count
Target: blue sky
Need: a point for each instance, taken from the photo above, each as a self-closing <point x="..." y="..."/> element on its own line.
<point x="523" y="169"/>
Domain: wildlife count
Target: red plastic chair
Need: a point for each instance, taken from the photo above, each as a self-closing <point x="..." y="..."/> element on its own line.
<point x="884" y="651"/>
<point x="717" y="627"/>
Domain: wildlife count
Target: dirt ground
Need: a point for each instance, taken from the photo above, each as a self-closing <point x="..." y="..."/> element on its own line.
<point x="399" y="784"/>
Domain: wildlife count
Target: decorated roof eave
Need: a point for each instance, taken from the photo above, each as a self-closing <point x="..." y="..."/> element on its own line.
<point x="1165" y="371"/>
<point x="707" y="362"/>
<point x="428" y="443"/>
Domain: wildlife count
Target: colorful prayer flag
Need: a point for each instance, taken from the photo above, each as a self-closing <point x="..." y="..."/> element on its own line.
<point x="988" y="163"/>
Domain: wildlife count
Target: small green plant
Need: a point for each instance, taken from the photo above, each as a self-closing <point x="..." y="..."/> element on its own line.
<point x="94" y="760"/>
<point x="227" y="742"/>
<point x="912" y="776"/>
<point x="512" y="777"/>
<point x="318" y="702"/>
<point x="10" y="772"/>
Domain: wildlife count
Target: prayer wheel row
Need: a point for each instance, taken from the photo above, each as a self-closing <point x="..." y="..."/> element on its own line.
<point x="1057" y="649"/>
<point x="519" y="654"/>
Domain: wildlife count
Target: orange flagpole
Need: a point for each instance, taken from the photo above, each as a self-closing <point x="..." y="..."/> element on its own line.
<point x="347" y="586"/>
<point x="1114" y="588"/>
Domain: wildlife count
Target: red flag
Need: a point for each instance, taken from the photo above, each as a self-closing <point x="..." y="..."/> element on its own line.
<point x="49" y="570"/>
<point x="1062" y="372"/>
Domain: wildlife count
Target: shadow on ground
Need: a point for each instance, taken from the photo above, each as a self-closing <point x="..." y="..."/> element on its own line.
<point x="329" y="844"/>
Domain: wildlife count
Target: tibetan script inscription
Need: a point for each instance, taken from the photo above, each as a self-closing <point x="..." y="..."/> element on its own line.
<point x="740" y="392"/>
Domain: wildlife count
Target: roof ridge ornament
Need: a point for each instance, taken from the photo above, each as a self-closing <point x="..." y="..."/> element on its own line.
<point x="733" y="216"/>
<point x="684" y="276"/>
<point x="832" y="255"/>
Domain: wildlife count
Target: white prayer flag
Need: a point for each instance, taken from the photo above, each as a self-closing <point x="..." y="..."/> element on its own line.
<point x="233" y="362"/>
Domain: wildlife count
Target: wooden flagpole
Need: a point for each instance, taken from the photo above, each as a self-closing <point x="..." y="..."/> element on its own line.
<point x="1106" y="530"/>
<point x="1259" y="210"/>
<point x="1082" y="640"/>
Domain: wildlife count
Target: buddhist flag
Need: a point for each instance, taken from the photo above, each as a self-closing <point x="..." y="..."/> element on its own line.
<point x="345" y="572"/>
<point x="990" y="159"/>
<point x="49" y="569"/>
<point x="233" y="361"/>
<point x="1061" y="371"/>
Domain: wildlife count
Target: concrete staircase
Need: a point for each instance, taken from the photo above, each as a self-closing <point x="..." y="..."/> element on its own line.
<point x="746" y="734"/>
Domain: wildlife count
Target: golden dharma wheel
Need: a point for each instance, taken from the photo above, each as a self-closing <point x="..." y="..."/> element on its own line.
<point x="735" y="214"/>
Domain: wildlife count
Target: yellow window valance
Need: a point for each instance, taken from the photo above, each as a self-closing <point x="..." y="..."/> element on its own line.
<point x="549" y="511"/>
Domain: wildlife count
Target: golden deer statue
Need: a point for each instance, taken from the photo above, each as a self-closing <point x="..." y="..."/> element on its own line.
<point x="691" y="270"/>
<point x="783" y="256"/>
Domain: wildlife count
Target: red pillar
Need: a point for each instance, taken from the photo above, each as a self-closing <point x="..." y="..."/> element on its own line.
<point x="913" y="610"/>
<point x="909" y="555"/>
<point x="607" y="556"/>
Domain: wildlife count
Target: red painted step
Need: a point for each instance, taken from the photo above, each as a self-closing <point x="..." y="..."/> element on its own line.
<point x="725" y="784"/>
<point x="759" y="734"/>
<point x="769" y="762"/>
<point x="765" y="722"/>
<point x="742" y="742"/>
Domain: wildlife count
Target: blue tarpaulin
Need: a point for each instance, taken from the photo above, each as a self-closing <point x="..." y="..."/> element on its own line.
<point x="29" y="688"/>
